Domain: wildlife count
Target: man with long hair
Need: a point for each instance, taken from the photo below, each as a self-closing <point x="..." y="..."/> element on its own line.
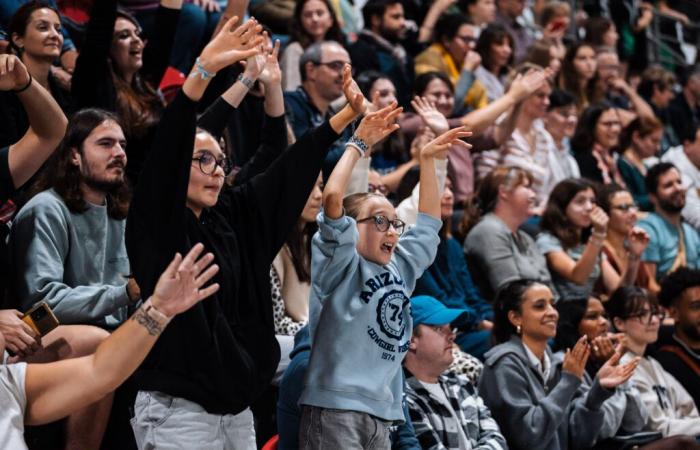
<point x="67" y="242"/>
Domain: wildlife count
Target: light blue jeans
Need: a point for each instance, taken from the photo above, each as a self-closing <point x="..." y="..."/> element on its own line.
<point x="163" y="422"/>
<point x="335" y="429"/>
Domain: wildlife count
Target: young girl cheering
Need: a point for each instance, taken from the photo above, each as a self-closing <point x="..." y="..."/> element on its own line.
<point x="363" y="270"/>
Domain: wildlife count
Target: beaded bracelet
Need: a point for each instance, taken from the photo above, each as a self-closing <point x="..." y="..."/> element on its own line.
<point x="358" y="144"/>
<point x="26" y="86"/>
<point x="201" y="71"/>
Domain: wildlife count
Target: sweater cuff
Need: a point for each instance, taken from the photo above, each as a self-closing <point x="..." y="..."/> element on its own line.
<point x="597" y="395"/>
<point x="425" y="220"/>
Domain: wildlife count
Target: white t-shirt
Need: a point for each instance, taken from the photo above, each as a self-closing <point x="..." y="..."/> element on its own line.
<point x="436" y="391"/>
<point x="13" y="402"/>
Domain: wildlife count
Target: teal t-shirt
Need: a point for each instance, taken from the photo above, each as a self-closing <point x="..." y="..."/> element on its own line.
<point x="663" y="244"/>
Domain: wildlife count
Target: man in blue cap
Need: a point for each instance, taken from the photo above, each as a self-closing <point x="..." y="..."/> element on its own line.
<point x="445" y="408"/>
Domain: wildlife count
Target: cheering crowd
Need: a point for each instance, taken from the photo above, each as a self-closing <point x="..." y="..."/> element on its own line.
<point x="349" y="224"/>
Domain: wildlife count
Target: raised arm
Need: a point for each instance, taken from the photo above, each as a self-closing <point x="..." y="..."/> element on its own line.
<point x="55" y="390"/>
<point x="156" y="54"/>
<point x="47" y="124"/>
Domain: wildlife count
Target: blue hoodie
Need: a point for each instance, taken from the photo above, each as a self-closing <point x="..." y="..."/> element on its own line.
<point x="363" y="329"/>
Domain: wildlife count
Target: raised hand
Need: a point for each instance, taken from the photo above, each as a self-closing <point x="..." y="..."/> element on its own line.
<point x="352" y="92"/>
<point x="430" y="115"/>
<point x="232" y="44"/>
<point x="575" y="360"/>
<point x="377" y="125"/>
<point x="612" y="374"/>
<point x="271" y="73"/>
<point x="424" y="136"/>
<point x="13" y="73"/>
<point x="599" y="220"/>
<point x="180" y="286"/>
<point x="602" y="348"/>
<point x="19" y="337"/>
<point x="637" y="241"/>
<point x="441" y="145"/>
<point x="524" y="86"/>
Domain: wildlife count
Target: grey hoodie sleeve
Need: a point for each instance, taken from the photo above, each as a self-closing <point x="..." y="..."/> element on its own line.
<point x="416" y="249"/>
<point x="524" y="419"/>
<point x="623" y="412"/>
<point x="586" y="416"/>
<point x="333" y="252"/>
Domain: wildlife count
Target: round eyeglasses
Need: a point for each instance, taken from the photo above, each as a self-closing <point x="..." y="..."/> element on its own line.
<point x="383" y="223"/>
<point x="208" y="163"/>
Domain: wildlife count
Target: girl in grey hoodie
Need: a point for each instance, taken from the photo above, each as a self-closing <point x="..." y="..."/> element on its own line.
<point x="535" y="401"/>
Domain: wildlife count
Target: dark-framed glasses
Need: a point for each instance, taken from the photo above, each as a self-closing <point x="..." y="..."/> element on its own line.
<point x="626" y="207"/>
<point x="335" y="66"/>
<point x="645" y="317"/>
<point x="208" y="163"/>
<point x="383" y="223"/>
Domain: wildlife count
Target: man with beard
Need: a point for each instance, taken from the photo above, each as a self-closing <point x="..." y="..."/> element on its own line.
<point x="672" y="242"/>
<point x="321" y="66"/>
<point x="680" y="356"/>
<point x="686" y="158"/>
<point x="378" y="47"/>
<point x="67" y="242"/>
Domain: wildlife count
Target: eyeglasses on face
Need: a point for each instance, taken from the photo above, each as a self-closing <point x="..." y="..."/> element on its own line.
<point x="444" y="330"/>
<point x="382" y="223"/>
<point x="208" y="163"/>
<point x="466" y="39"/>
<point x="645" y="317"/>
<point x="335" y="66"/>
<point x="626" y="207"/>
<point x="377" y="189"/>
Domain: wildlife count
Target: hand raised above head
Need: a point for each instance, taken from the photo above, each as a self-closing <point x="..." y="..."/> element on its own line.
<point x="271" y="72"/>
<point x="430" y="115"/>
<point x="232" y="44"/>
<point x="377" y="125"/>
<point x="352" y="92"/>
<point x="441" y="145"/>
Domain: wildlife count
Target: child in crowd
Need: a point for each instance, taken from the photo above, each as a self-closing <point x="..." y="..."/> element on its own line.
<point x="362" y="273"/>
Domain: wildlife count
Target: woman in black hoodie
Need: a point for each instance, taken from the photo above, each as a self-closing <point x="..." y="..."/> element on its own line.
<point x="218" y="357"/>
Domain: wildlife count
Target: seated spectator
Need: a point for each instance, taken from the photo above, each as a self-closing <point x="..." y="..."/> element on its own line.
<point x="680" y="295"/>
<point x="530" y="145"/>
<point x="313" y="21"/>
<point x="35" y="394"/>
<point x="578" y="71"/>
<point x="67" y="242"/>
<point x="639" y="142"/>
<point x="684" y="109"/>
<point x="670" y="408"/>
<point x="445" y="409"/>
<point x="195" y="28"/>
<point x="118" y="72"/>
<point x="686" y="158"/>
<point x="618" y="204"/>
<point x="555" y="20"/>
<point x="290" y="277"/>
<point x="544" y="54"/>
<point x="560" y="121"/>
<point x="448" y="280"/>
<point x="509" y="16"/>
<point x="624" y="412"/>
<point x="597" y="134"/>
<point x="308" y="106"/>
<point x="36" y="39"/>
<point x="573" y="232"/>
<point x="672" y="242"/>
<point x="379" y="45"/>
<point x="495" y="46"/>
<point x="453" y="55"/>
<point x="601" y="32"/>
<point x="497" y="250"/>
<point x="481" y="12"/>
<point x="535" y="400"/>
<point x="656" y="87"/>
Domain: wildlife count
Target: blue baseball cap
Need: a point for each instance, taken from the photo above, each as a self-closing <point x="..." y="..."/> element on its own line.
<point x="427" y="310"/>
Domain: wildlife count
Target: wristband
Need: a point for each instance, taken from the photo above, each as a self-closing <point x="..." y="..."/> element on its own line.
<point x="26" y="86"/>
<point x="358" y="144"/>
<point x="247" y="82"/>
<point x="201" y="71"/>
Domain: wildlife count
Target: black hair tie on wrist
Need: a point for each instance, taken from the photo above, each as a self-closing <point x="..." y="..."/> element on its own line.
<point x="25" y="87"/>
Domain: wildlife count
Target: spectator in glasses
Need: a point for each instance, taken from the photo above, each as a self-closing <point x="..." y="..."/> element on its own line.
<point x="597" y="134"/>
<point x="670" y="408"/>
<point x="453" y="55"/>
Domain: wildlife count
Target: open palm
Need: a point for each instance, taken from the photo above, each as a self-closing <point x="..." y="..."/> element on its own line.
<point x="271" y="72"/>
<point x="438" y="147"/>
<point x="430" y="115"/>
<point x="612" y="374"/>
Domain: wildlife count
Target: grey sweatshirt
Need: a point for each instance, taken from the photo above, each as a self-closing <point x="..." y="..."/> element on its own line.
<point x="534" y="413"/>
<point x="77" y="263"/>
<point x="363" y="329"/>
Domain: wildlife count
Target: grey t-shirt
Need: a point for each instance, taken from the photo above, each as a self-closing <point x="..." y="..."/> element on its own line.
<point x="568" y="290"/>
<point x="14" y="402"/>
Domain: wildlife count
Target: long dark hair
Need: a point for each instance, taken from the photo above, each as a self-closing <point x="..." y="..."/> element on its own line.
<point x="299" y="34"/>
<point x="508" y="298"/>
<point x="571" y="313"/>
<point x="554" y="219"/>
<point x="138" y="103"/>
<point x="569" y="78"/>
<point x="584" y="136"/>
<point x="493" y="34"/>
<point x="64" y="176"/>
<point x="299" y="245"/>
<point x="20" y="20"/>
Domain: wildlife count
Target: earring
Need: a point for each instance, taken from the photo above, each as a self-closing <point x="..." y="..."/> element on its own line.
<point x="518" y="329"/>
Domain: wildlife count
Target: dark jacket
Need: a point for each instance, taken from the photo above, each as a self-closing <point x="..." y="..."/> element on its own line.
<point x="222" y="353"/>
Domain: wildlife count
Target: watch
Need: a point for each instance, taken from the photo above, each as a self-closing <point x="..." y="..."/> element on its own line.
<point x="358" y="144"/>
